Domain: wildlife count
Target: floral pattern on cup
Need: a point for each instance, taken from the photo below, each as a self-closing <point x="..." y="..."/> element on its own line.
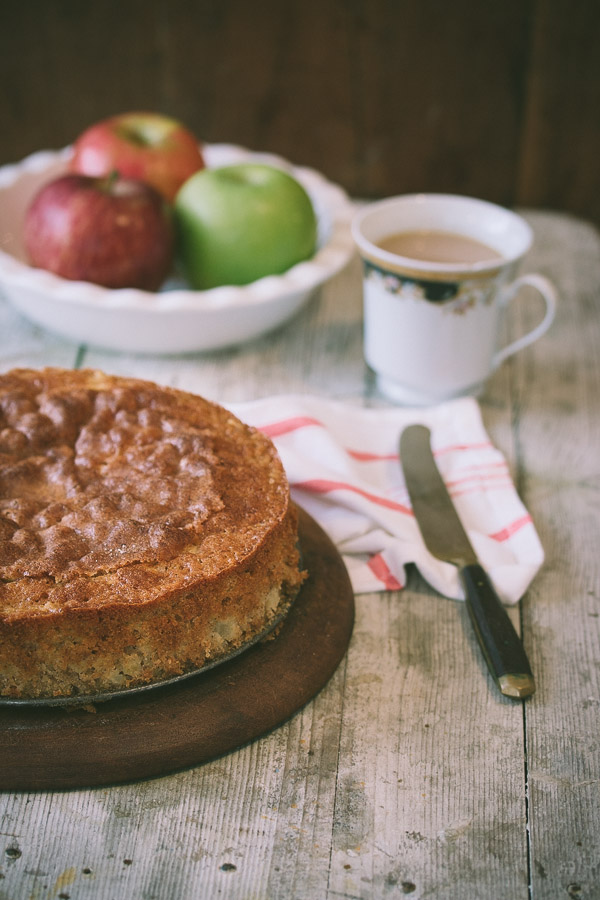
<point x="457" y="296"/>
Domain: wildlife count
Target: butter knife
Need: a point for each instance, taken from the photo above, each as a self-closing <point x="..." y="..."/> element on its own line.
<point x="446" y="539"/>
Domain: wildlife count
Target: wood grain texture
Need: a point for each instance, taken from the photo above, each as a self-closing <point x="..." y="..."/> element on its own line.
<point x="557" y="424"/>
<point x="561" y="124"/>
<point x="496" y="100"/>
<point x="407" y="775"/>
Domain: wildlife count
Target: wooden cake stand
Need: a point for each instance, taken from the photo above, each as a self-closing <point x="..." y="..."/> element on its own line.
<point x="198" y="718"/>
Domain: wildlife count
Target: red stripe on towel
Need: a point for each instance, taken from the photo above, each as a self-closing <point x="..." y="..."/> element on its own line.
<point x="286" y="425"/>
<point x="479" y="479"/>
<point x="500" y="485"/>
<point x="325" y="486"/>
<point x="505" y="533"/>
<point x="371" y="457"/>
<point x="380" y="570"/>
<point x="486" y="445"/>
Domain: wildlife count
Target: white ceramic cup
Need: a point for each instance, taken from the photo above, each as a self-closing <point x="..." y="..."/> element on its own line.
<point x="432" y="329"/>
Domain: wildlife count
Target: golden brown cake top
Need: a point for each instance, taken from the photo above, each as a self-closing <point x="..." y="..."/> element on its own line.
<point x="105" y="480"/>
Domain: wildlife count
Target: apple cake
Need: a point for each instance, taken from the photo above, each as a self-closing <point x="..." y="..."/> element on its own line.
<point x="144" y="533"/>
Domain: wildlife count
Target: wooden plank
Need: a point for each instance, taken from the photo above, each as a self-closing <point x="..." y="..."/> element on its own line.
<point x="269" y="76"/>
<point x="25" y="344"/>
<point x="229" y="827"/>
<point x="557" y="423"/>
<point x="318" y="351"/>
<point x="382" y="97"/>
<point x="66" y="65"/>
<point x="406" y="774"/>
<point x="561" y="126"/>
<point x="429" y="798"/>
<point x="382" y="827"/>
<point x="405" y="805"/>
<point x="424" y="121"/>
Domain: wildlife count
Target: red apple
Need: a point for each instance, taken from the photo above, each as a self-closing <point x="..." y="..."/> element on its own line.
<point x="113" y="231"/>
<point x="148" y="146"/>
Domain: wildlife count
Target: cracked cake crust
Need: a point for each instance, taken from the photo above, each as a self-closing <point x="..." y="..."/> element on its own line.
<point x="143" y="532"/>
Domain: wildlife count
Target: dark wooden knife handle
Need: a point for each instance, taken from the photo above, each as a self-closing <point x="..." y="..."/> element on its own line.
<point x="501" y="645"/>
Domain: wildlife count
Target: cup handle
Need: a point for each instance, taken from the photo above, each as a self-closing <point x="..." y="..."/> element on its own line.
<point x="546" y="289"/>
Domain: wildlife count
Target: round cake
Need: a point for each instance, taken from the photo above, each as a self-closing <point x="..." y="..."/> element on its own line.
<point x="144" y="533"/>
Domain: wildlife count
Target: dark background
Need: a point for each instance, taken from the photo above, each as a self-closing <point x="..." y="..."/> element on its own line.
<point x="494" y="98"/>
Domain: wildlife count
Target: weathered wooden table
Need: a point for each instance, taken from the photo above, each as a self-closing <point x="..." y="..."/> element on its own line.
<point x="408" y="774"/>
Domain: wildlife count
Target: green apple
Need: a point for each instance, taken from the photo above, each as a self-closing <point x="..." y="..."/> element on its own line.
<point x="238" y="223"/>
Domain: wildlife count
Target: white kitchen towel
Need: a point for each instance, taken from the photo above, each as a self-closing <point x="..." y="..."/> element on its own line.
<point x="343" y="465"/>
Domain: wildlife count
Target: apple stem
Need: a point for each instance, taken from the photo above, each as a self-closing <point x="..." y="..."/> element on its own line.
<point x="110" y="180"/>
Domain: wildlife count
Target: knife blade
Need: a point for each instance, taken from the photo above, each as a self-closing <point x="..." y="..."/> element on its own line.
<point x="446" y="538"/>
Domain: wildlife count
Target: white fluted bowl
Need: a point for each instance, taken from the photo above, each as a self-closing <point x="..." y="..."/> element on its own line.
<point x="176" y="319"/>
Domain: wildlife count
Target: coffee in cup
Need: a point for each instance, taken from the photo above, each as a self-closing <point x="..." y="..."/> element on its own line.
<point x="439" y="273"/>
